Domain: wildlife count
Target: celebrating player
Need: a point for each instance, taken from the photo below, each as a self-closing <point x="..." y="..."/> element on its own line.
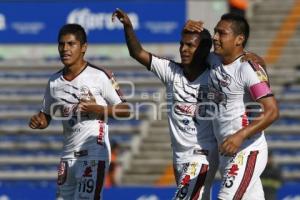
<point x="194" y="146"/>
<point x="237" y="126"/>
<point x="84" y="95"/>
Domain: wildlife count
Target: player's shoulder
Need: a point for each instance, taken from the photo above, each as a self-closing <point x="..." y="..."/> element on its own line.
<point x="102" y="71"/>
<point x="56" y="75"/>
<point x="170" y="61"/>
<point x="250" y="65"/>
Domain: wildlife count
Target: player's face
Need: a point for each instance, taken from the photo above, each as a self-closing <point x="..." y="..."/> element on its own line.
<point x="224" y="39"/>
<point x="70" y="50"/>
<point x="188" y="46"/>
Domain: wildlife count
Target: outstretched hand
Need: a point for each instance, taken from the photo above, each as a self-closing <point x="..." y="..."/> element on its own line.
<point x="193" y="26"/>
<point x="122" y="16"/>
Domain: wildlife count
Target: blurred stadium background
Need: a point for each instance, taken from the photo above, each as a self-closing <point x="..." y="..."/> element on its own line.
<point x="28" y="56"/>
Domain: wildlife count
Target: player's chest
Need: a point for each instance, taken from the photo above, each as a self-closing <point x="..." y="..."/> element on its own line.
<point x="75" y="90"/>
<point x="226" y="82"/>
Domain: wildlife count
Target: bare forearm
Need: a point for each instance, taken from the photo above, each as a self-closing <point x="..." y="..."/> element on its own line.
<point x="266" y="118"/>
<point x="133" y="44"/>
<point x="264" y="121"/>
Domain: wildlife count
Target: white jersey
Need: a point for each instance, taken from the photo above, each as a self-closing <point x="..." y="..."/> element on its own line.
<point x="188" y="133"/>
<point x="236" y="86"/>
<point x="84" y="134"/>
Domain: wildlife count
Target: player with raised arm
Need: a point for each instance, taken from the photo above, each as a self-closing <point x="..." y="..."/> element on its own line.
<point x="195" y="155"/>
<point x="238" y="126"/>
<point x="84" y="95"/>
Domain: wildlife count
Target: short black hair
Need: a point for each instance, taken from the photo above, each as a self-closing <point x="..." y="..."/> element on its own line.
<point x="74" y="29"/>
<point x="240" y="25"/>
<point x="205" y="44"/>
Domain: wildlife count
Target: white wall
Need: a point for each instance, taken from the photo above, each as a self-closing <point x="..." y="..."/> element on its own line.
<point x="208" y="11"/>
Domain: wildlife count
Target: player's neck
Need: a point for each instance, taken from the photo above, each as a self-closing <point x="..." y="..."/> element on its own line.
<point x="70" y="72"/>
<point x="226" y="60"/>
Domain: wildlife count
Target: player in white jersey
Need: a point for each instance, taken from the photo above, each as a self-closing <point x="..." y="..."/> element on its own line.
<point x="195" y="155"/>
<point x="82" y="96"/>
<point x="240" y="89"/>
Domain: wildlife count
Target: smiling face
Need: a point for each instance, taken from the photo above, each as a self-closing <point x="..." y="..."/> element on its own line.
<point x="225" y="41"/>
<point x="70" y="49"/>
<point x="188" y="46"/>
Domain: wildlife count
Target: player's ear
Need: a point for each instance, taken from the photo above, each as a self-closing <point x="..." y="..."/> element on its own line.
<point x="84" y="48"/>
<point x="239" y="40"/>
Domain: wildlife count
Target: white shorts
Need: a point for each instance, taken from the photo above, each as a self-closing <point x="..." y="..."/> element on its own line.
<point x="241" y="175"/>
<point x="194" y="179"/>
<point x="79" y="179"/>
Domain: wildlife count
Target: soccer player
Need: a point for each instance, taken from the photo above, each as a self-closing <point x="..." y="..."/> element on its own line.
<point x="238" y="125"/>
<point x="195" y="155"/>
<point x="84" y="95"/>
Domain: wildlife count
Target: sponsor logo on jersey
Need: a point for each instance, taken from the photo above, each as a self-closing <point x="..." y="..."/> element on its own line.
<point x="98" y="21"/>
<point x="88" y="172"/>
<point x="185" y="109"/>
<point x="262" y="76"/>
<point x="185" y="121"/>
<point x="260" y="72"/>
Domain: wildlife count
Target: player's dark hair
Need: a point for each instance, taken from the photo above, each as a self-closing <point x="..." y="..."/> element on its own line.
<point x="240" y="25"/>
<point x="74" y="29"/>
<point x="205" y="44"/>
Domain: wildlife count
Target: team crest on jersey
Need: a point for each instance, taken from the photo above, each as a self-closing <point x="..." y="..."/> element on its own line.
<point x="85" y="93"/>
<point x="225" y="81"/>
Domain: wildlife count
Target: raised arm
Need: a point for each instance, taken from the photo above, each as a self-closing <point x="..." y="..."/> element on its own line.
<point x="135" y="48"/>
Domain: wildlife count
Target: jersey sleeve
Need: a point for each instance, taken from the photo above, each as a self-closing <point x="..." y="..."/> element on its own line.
<point x="111" y="91"/>
<point x="256" y="81"/>
<point x="162" y="68"/>
<point x="48" y="100"/>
